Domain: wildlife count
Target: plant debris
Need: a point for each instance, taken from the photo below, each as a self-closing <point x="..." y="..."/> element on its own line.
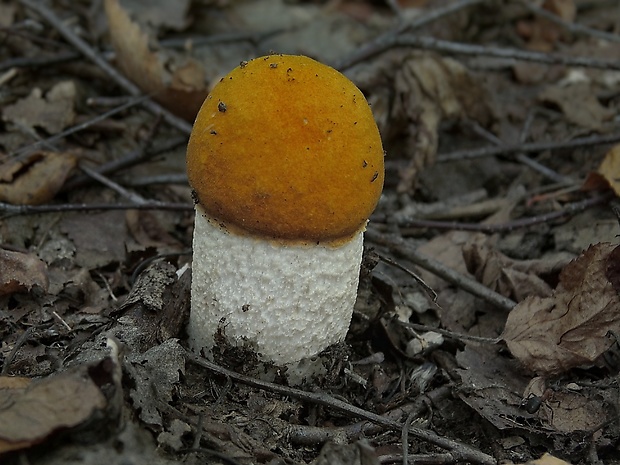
<point x="486" y="327"/>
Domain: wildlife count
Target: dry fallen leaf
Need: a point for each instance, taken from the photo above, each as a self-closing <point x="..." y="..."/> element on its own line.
<point x="547" y="459"/>
<point x="7" y="14"/>
<point x="99" y="239"/>
<point x="20" y="272"/>
<point x="147" y="230"/>
<point x="170" y="14"/>
<point x="510" y="277"/>
<point x="579" y="104"/>
<point x="542" y="33"/>
<point x="429" y="89"/>
<point x="29" y="414"/>
<point x="54" y="112"/>
<point x="182" y="91"/>
<point x="492" y="386"/>
<point x="35" y="179"/>
<point x="607" y="174"/>
<point x="550" y="335"/>
<point x="516" y="279"/>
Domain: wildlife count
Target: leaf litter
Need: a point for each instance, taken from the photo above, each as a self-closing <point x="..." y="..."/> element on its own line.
<point x="95" y="302"/>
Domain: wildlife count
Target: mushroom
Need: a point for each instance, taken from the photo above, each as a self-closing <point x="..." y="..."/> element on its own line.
<point x="286" y="164"/>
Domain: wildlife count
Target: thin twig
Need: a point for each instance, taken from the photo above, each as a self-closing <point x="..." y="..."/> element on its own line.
<point x="199" y="41"/>
<point x="529" y="147"/>
<point x="533" y="164"/>
<point x="451" y="334"/>
<point x="568" y="210"/>
<point x="405" y="436"/>
<point x="458" y="48"/>
<point x="521" y="157"/>
<point x="78" y="127"/>
<point x="426" y="459"/>
<point x="62" y="321"/>
<point x="460" y="451"/>
<point x="93" y="56"/>
<point x="72" y="207"/>
<point x="11" y="356"/>
<point x="429" y="290"/>
<point x="399" y="245"/>
<point x="131" y="196"/>
<point x="378" y="44"/>
<point x="172" y="178"/>
<point x="575" y="28"/>
<point x="38" y="61"/>
<point x="131" y="159"/>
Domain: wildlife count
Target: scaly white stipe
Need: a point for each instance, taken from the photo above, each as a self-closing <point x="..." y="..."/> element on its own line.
<point x="287" y="302"/>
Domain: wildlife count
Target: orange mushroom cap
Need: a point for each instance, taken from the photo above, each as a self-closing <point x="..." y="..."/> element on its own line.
<point x="286" y="147"/>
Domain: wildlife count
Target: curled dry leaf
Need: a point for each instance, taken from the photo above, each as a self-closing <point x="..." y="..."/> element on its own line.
<point x="30" y="413"/>
<point x="35" y="179"/>
<point x="182" y="91"/>
<point x="512" y="278"/>
<point x="20" y="272"/>
<point x="429" y="89"/>
<point x="550" y="335"/>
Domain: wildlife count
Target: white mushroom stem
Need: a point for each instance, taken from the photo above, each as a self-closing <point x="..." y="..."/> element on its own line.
<point x="287" y="302"/>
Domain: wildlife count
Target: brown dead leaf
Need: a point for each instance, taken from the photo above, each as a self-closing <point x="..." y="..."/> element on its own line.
<point x="541" y="33"/>
<point x="35" y="179"/>
<point x="550" y="335"/>
<point x="170" y="14"/>
<point x="14" y="382"/>
<point x="492" y="385"/>
<point x="54" y="112"/>
<point x="573" y="411"/>
<point x="565" y="410"/>
<point x="7" y="14"/>
<point x="429" y="89"/>
<point x="147" y="230"/>
<point x="512" y="278"/>
<point x="20" y="272"/>
<point x="579" y="104"/>
<point x="607" y="174"/>
<point x="181" y="90"/>
<point x="157" y="373"/>
<point x="30" y="414"/>
<point x="565" y="9"/>
<point x="547" y="459"/>
<point x="99" y="238"/>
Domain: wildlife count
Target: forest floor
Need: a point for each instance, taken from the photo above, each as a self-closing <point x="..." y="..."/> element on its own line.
<point x="487" y="319"/>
